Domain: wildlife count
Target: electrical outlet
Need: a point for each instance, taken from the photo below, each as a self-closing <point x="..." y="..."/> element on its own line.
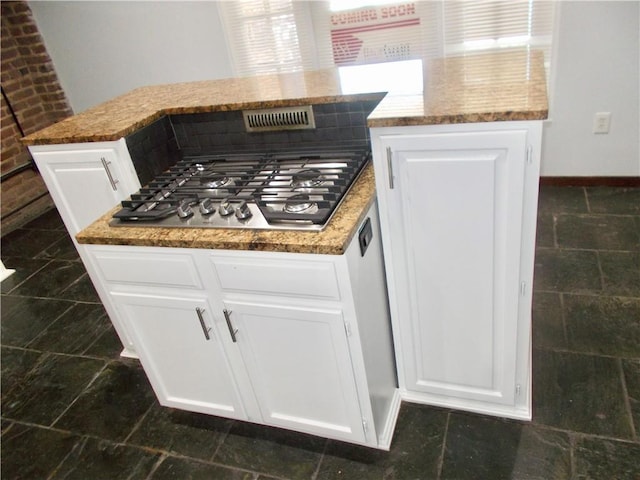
<point x="601" y="122"/>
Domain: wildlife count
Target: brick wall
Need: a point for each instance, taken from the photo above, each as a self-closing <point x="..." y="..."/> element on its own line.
<point x="31" y="89"/>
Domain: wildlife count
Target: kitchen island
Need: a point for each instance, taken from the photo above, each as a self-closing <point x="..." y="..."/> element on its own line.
<point x="454" y="185"/>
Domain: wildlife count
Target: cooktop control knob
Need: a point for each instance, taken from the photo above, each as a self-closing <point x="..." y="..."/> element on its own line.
<point x="225" y="208"/>
<point x="243" y="212"/>
<point x="184" y="209"/>
<point x="207" y="207"/>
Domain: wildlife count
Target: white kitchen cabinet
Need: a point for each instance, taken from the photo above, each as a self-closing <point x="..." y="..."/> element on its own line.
<point x="458" y="215"/>
<point x="181" y="351"/>
<point x="317" y="392"/>
<point x="86" y="180"/>
<point x="297" y="341"/>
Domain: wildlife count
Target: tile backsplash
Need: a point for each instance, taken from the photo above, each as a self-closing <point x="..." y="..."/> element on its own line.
<point x="336" y="123"/>
<point x="153" y="149"/>
<point x="160" y="145"/>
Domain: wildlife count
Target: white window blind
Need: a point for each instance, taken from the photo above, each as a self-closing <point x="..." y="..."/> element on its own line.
<point x="490" y="24"/>
<point x="267" y="36"/>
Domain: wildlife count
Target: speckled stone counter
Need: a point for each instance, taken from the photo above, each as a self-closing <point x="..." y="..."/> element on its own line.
<point x="478" y="88"/>
<point x="333" y="240"/>
<point x="475" y="88"/>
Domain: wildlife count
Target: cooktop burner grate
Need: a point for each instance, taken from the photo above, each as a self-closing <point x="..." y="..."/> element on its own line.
<point x="292" y="190"/>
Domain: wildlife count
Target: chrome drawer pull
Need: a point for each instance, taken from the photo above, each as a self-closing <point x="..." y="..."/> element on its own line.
<point x="113" y="182"/>
<point x="227" y="317"/>
<point x="205" y="329"/>
<point x="389" y="168"/>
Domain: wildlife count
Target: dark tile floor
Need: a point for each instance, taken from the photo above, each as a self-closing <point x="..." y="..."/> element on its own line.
<point x="72" y="409"/>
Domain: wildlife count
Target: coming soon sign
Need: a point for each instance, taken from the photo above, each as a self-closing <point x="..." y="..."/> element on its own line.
<point x="375" y="34"/>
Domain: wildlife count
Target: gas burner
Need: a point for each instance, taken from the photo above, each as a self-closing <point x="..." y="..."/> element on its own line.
<point x="299" y="203"/>
<point x="208" y="182"/>
<point x="307" y="178"/>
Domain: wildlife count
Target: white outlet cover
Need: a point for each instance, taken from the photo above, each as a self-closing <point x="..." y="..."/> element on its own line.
<point x="602" y="122"/>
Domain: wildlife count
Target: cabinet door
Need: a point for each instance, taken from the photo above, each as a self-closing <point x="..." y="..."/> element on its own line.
<point x="454" y="217"/>
<point x="300" y="368"/>
<point x="84" y="183"/>
<point x="186" y="369"/>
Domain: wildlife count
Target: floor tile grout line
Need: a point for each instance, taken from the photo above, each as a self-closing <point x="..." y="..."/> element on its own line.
<point x="163" y="453"/>
<point x="39" y="425"/>
<point x="564" y="320"/>
<point x="75" y="282"/>
<point x="138" y="423"/>
<point x="91" y="436"/>
<point x="162" y="457"/>
<point x="315" y="473"/>
<point x="169" y="454"/>
<point x="627" y="402"/>
<point x="49" y="298"/>
<point x="104" y="330"/>
<point x="30" y="276"/>
<point x="53" y="473"/>
<point x="444" y="446"/>
<point x="577" y="249"/>
<point x="65" y="354"/>
<point x="588" y="293"/>
<point x="554" y="218"/>
<point x="599" y="263"/>
<point x="46" y="329"/>
<point x="552" y="428"/>
<point x="578" y="352"/>
<point x="41" y="359"/>
<point x="596" y="214"/>
<point x="222" y="440"/>
<point x="73" y="402"/>
<point x="586" y="199"/>
<point x="573" y="467"/>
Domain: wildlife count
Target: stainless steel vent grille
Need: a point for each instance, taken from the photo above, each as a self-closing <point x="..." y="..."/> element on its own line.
<point x="286" y="118"/>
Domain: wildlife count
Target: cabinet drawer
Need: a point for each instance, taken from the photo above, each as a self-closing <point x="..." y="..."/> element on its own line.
<point x="164" y="270"/>
<point x="278" y="277"/>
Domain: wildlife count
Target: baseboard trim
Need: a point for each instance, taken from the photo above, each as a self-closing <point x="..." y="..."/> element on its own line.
<point x="590" y="181"/>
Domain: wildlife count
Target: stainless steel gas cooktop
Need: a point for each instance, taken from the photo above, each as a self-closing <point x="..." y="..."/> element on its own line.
<point x="292" y="190"/>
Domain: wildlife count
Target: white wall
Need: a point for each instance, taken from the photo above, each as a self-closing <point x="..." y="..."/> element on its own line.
<point x="104" y="49"/>
<point x="595" y="69"/>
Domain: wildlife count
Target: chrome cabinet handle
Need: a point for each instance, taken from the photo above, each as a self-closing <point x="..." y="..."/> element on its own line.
<point x="227" y="317"/>
<point x="390" y="168"/>
<point x="113" y="181"/>
<point x="205" y="329"/>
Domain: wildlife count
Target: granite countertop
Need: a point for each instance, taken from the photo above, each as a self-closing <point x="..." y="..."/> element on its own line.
<point x="486" y="87"/>
<point x="490" y="87"/>
<point x="333" y="240"/>
<point x="476" y="88"/>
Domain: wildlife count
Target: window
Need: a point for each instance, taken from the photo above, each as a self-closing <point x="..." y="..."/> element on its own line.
<point x="267" y="36"/>
<point x="264" y="36"/>
<point x="489" y="25"/>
